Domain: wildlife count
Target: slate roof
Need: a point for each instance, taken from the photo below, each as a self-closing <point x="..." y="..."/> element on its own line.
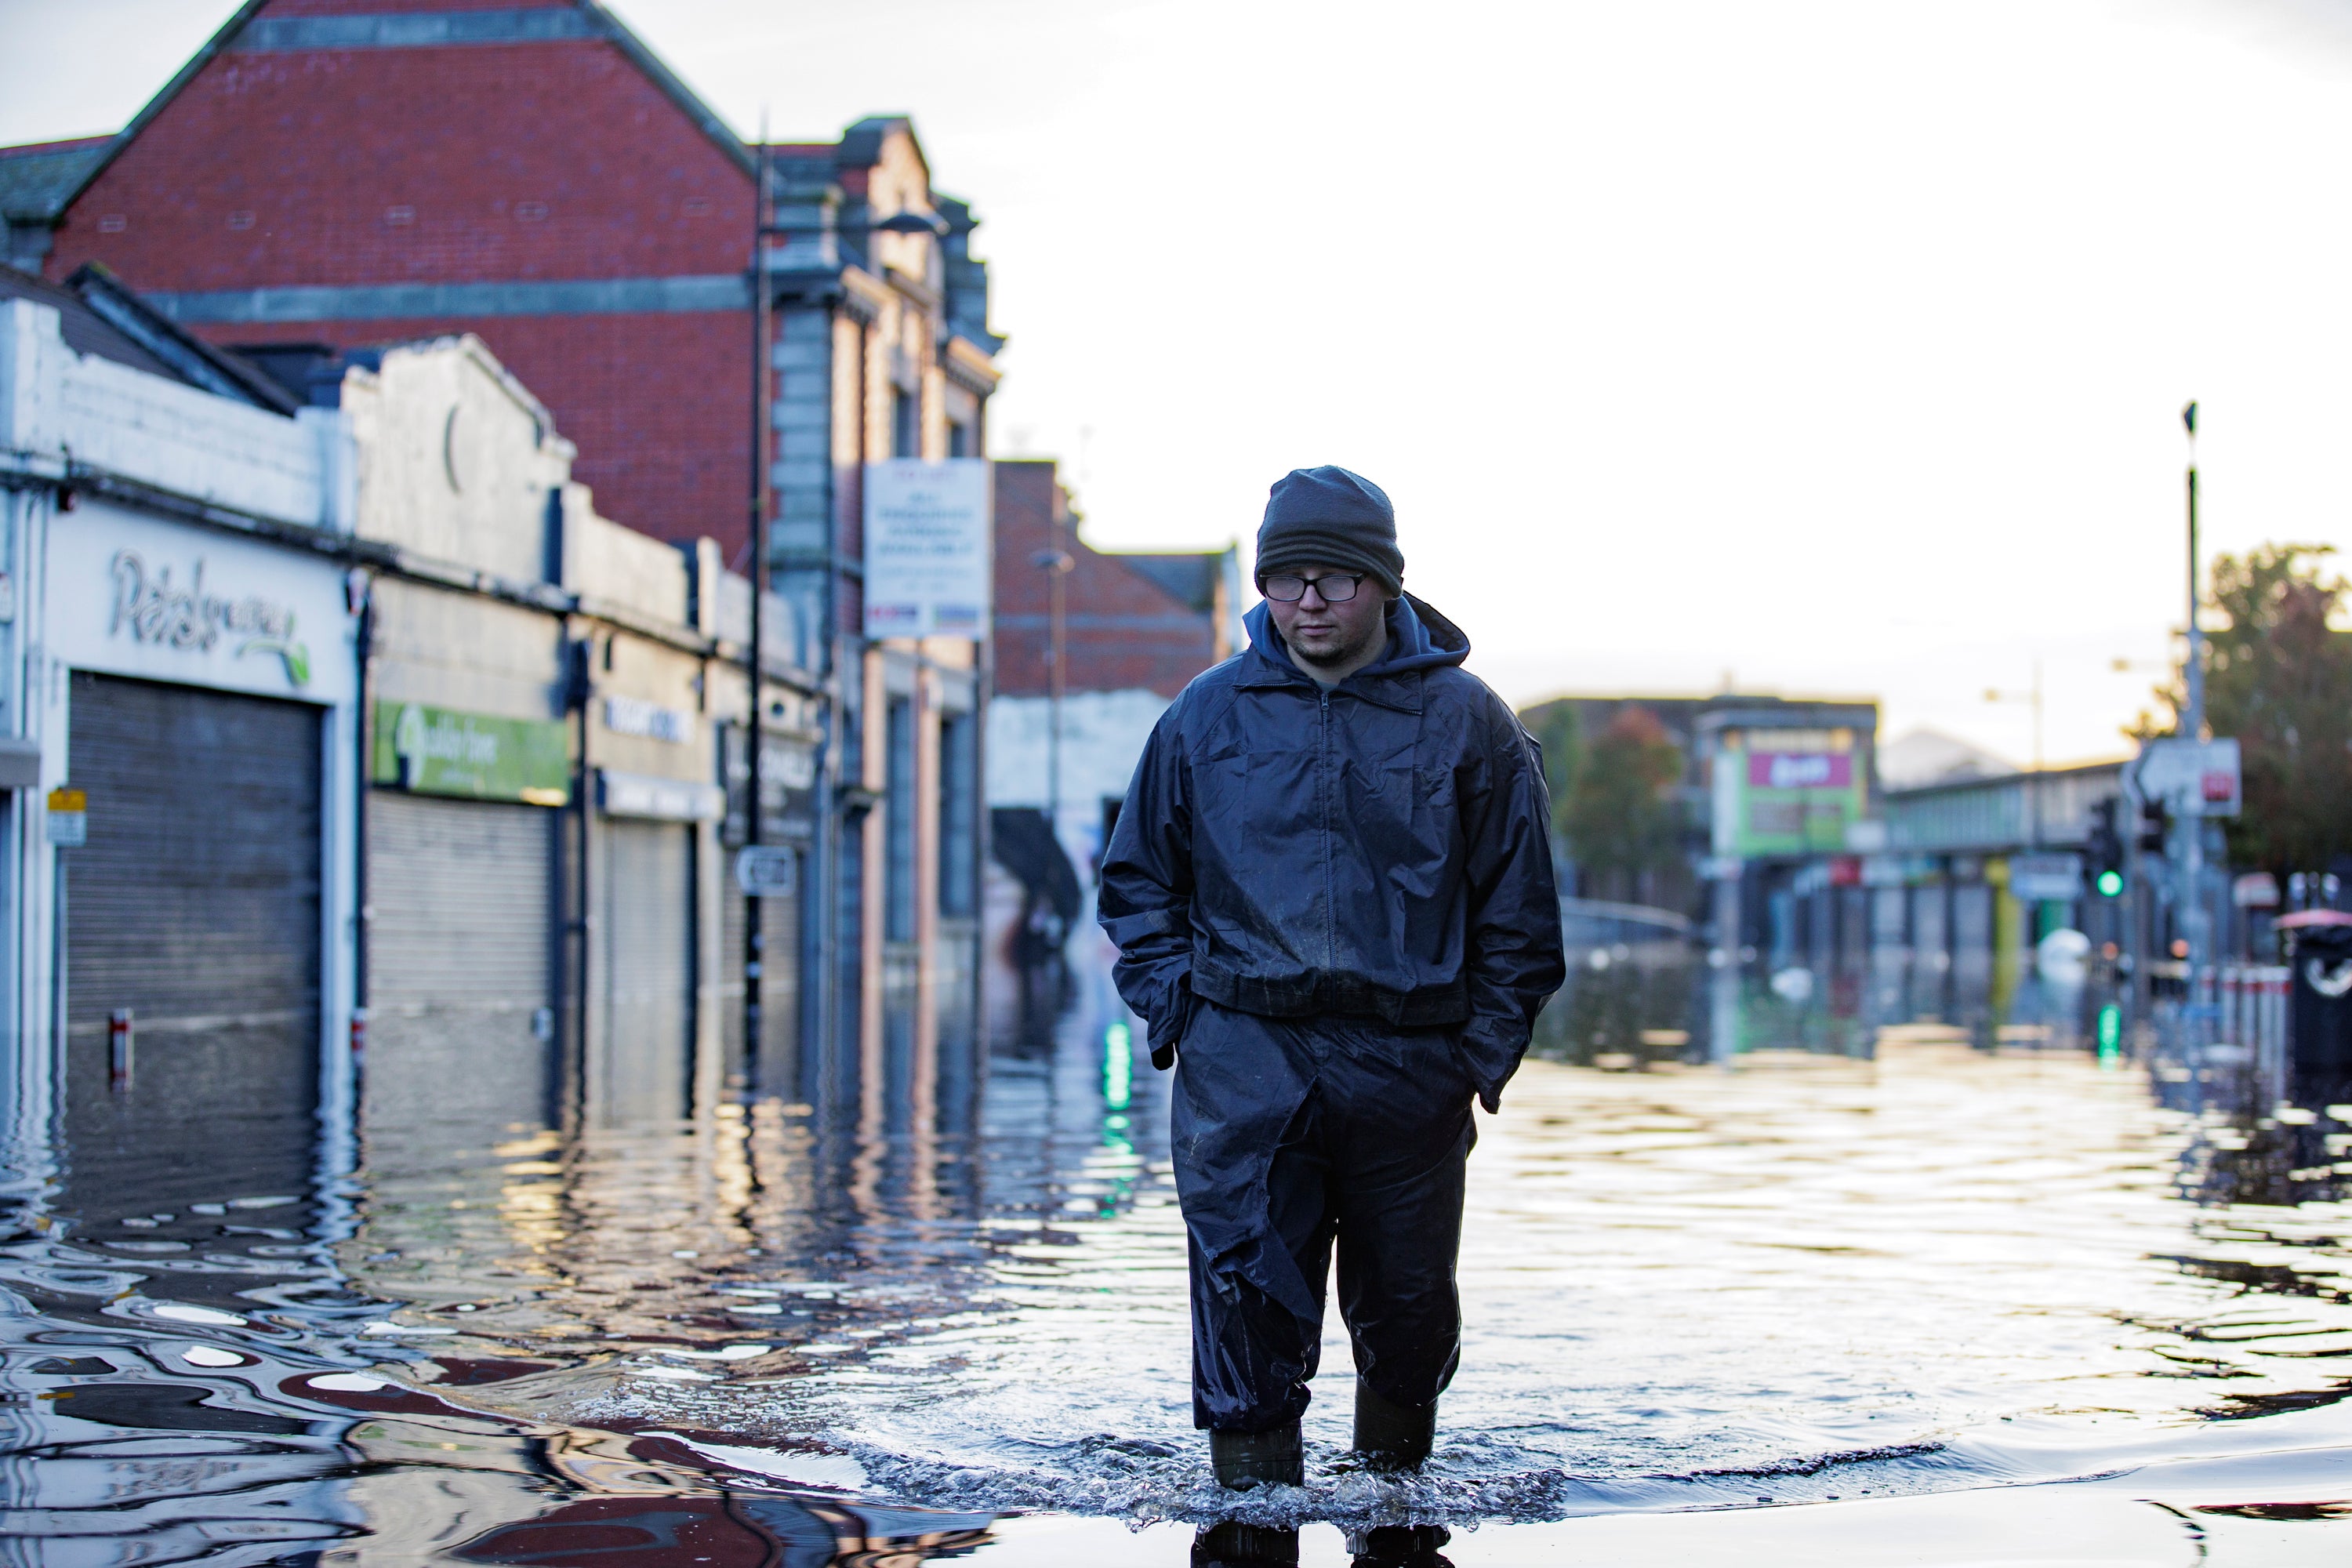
<point x="86" y="332"/>
<point x="99" y="315"/>
<point x="35" y="180"/>
<point x="1189" y="577"/>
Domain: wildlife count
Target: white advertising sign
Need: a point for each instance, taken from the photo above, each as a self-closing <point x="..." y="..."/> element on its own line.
<point x="928" y="548"/>
<point x="2193" y="778"/>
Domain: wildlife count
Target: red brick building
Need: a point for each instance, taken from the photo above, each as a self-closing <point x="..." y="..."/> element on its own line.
<point x="1145" y="621"/>
<point x="330" y="174"/>
<point x="342" y="172"/>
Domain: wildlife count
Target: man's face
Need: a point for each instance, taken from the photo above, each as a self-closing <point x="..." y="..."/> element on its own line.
<point x="1326" y="634"/>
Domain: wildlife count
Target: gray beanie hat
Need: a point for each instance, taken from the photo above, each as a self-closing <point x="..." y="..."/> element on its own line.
<point x="1330" y="517"/>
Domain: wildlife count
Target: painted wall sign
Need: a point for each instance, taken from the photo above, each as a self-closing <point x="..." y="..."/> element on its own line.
<point x="636" y="716"/>
<point x="436" y="750"/>
<point x="927" y="527"/>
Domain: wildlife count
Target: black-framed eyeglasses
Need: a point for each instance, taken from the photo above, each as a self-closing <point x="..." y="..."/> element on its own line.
<point x="1336" y="587"/>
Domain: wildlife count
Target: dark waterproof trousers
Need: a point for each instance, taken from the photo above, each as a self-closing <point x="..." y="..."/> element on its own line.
<point x="1294" y="1136"/>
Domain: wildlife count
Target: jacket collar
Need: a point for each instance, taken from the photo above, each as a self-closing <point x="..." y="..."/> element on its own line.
<point x="1419" y="639"/>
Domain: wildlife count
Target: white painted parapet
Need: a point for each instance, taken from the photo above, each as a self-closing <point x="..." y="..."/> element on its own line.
<point x="79" y="412"/>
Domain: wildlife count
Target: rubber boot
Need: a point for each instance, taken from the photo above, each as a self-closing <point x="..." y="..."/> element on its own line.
<point x="1233" y="1544"/>
<point x="1392" y="1437"/>
<point x="1245" y="1460"/>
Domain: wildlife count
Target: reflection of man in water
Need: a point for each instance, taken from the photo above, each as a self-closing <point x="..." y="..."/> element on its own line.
<point x="1331" y="890"/>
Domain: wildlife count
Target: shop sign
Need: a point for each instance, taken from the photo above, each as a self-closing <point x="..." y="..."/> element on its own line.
<point x="2045" y="877"/>
<point x="787" y="775"/>
<point x="1790" y="793"/>
<point x="636" y="716"/>
<point x="153" y="609"/>
<point x="928" y="528"/>
<point x="660" y="799"/>
<point x="439" y="751"/>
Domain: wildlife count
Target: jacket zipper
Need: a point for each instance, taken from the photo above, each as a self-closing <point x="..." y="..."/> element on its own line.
<point x="1330" y="893"/>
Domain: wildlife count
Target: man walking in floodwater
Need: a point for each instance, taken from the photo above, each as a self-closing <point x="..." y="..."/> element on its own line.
<point x="1331" y="890"/>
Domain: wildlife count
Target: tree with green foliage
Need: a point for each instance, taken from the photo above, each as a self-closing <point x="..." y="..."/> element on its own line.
<point x="1624" y="815"/>
<point x="1554" y="725"/>
<point x="2278" y="677"/>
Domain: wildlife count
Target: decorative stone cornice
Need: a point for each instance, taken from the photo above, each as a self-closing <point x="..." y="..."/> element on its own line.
<point x="969" y="367"/>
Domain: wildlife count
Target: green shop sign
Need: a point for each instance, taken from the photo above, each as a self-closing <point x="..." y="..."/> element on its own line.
<point x="435" y="751"/>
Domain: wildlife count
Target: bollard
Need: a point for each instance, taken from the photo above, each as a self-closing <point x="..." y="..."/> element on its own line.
<point x="119" y="1042"/>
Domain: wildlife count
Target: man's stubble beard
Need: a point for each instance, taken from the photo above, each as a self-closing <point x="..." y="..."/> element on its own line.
<point x="1374" y="635"/>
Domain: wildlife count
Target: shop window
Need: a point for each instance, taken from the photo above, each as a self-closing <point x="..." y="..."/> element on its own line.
<point x="905" y="425"/>
<point x="958" y="815"/>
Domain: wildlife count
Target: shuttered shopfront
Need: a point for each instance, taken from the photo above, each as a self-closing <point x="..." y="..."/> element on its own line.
<point x="193" y="910"/>
<point x="640" y="1053"/>
<point x="461" y="918"/>
<point x="787" y="814"/>
<point x="461" y="955"/>
<point x="780" y="991"/>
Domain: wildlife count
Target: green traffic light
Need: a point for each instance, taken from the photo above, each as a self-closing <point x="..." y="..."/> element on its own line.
<point x="2111" y="883"/>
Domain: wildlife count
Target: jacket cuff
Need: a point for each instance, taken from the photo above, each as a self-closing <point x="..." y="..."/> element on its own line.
<point x="1491" y="1062"/>
<point x="1168" y="1031"/>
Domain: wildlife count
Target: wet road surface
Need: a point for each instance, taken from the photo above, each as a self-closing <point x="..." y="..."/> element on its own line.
<point x="1855" y="1255"/>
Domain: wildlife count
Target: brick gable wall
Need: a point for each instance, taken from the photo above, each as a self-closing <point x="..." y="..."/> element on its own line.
<point x="1123" y="631"/>
<point x="491" y="162"/>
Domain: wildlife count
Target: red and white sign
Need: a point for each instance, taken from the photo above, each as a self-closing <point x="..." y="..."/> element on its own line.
<point x="2192" y="778"/>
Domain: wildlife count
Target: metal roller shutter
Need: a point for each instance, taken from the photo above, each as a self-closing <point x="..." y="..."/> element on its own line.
<point x="460" y="965"/>
<point x="780" y="996"/>
<point x="639" y="1068"/>
<point x="195" y="904"/>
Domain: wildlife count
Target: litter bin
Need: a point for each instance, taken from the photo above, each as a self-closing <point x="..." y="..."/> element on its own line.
<point x="2319" y="1009"/>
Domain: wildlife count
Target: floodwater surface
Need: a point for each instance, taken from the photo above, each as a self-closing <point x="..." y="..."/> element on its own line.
<point x="1748" y="1277"/>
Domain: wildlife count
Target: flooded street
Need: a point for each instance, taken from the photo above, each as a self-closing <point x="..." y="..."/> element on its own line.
<point x="1729" y="1249"/>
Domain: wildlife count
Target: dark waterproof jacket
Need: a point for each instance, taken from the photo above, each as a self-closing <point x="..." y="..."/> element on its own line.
<point x="1378" y="850"/>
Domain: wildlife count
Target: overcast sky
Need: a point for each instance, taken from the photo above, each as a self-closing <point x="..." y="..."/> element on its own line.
<point x="1831" y="348"/>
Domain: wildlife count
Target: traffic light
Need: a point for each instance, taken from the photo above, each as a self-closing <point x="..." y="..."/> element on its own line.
<point x="2103" y="849"/>
<point x="2151" y="827"/>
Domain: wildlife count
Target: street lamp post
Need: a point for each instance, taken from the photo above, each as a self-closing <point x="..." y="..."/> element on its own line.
<point x="754" y="936"/>
<point x="2189" y="831"/>
<point x="2033" y="791"/>
<point x="1057" y="564"/>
